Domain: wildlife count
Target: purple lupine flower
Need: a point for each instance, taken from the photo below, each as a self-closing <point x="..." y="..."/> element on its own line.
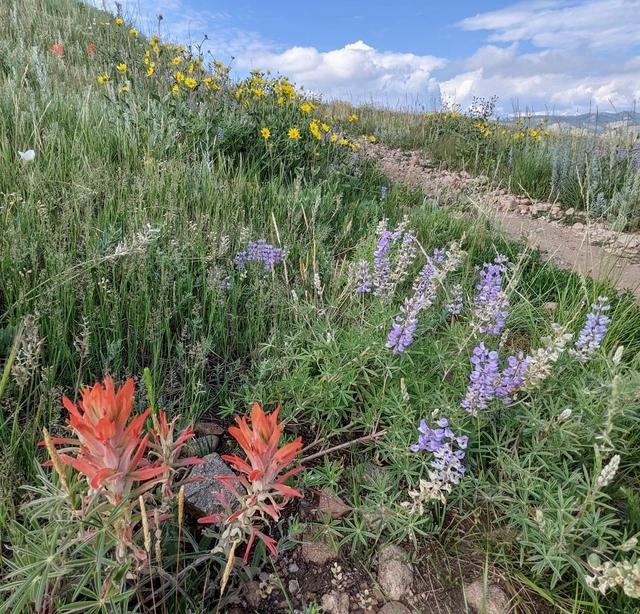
<point x="512" y="377"/>
<point x="491" y="304"/>
<point x="362" y="277"/>
<point x="454" y="306"/>
<point x="381" y="260"/>
<point x="482" y="380"/>
<point x="406" y="322"/>
<point x="383" y="191"/>
<point x="260" y="251"/>
<point x="448" y="452"/>
<point x="220" y="133"/>
<point x="593" y="331"/>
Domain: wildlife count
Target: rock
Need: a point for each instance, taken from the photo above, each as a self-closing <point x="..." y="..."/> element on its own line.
<point x="334" y="506"/>
<point x="207" y="428"/>
<point x="314" y="550"/>
<point x="200" y="495"/>
<point x="578" y="226"/>
<point x="294" y="587"/>
<point x="394" y="575"/>
<point x="551" y="306"/>
<point x="293" y="568"/>
<point x="495" y="601"/>
<point x="202" y="445"/>
<point x="570" y="211"/>
<point x="335" y="602"/>
<point x="523" y="210"/>
<point x="252" y="593"/>
<point x="394" y="607"/>
<point x="511" y="204"/>
<point x="540" y="208"/>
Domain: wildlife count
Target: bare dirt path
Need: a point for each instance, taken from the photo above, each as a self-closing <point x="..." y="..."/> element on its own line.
<point x="567" y="238"/>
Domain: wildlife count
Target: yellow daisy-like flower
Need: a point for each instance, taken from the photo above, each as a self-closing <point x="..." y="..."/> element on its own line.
<point x="122" y="67"/>
<point x="176" y="60"/>
<point x="294" y="134"/>
<point x="306" y="107"/>
<point x="265" y="132"/>
<point x="280" y="100"/>
<point x="123" y="89"/>
<point x="334" y="138"/>
<point x="151" y="69"/>
<point x="326" y="127"/>
<point x="315" y="130"/>
<point x="104" y="79"/>
<point x="180" y="77"/>
<point x="133" y="32"/>
<point x="180" y="49"/>
<point x="119" y="21"/>
<point x="353" y="118"/>
<point x="175" y="88"/>
<point x="154" y="40"/>
<point x="343" y="141"/>
<point x="190" y="82"/>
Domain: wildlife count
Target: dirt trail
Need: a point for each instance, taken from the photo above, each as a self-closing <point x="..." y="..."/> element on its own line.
<point x="567" y="238"/>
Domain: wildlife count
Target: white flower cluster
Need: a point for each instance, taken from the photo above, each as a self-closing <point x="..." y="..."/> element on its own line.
<point x="623" y="574"/>
<point x="542" y="360"/>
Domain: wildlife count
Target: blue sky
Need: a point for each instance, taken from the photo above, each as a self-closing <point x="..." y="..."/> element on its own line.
<point x="559" y="56"/>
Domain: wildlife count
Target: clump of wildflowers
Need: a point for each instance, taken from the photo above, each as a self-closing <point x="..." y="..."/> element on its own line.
<point x="593" y="331"/>
<point x="446" y="465"/>
<point x="624" y="574"/>
<point x="482" y="380"/>
<point x="491" y="304"/>
<point x="260" y="252"/>
<point x="424" y="293"/>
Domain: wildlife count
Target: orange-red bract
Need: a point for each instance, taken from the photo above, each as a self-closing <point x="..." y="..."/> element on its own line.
<point x="58" y="49"/>
<point x="262" y="479"/>
<point x="109" y="448"/>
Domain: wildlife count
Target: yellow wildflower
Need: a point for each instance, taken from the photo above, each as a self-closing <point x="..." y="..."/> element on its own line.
<point x="122" y="67"/>
<point x="133" y="32"/>
<point x="154" y="40"/>
<point x="294" y="134"/>
<point x="343" y="141"/>
<point x="119" y="21"/>
<point x="180" y="49"/>
<point x="353" y="118"/>
<point x="123" y="89"/>
<point x="176" y="60"/>
<point x="265" y="132"/>
<point x="280" y="100"/>
<point x="306" y="107"/>
<point x="326" y="127"/>
<point x="190" y="82"/>
<point x="334" y="138"/>
<point x="179" y="77"/>
<point x="315" y="130"/>
<point x="151" y="69"/>
<point x="103" y="79"/>
<point x="175" y="88"/>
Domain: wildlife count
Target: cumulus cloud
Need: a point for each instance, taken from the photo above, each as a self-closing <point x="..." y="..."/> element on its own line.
<point x="356" y="72"/>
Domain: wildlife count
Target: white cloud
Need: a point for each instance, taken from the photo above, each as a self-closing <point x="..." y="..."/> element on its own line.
<point x="356" y="71"/>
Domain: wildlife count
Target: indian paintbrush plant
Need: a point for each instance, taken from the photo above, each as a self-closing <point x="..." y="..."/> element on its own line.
<point x="259" y="493"/>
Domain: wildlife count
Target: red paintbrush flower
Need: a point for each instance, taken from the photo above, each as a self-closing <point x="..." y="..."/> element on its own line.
<point x="58" y="49"/>
<point x="264" y="493"/>
<point x="109" y="449"/>
<point x="91" y="49"/>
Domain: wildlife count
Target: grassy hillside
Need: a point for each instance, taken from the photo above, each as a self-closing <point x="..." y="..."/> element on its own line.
<point x="127" y="244"/>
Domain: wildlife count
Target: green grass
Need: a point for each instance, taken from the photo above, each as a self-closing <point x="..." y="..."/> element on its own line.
<point x="113" y="246"/>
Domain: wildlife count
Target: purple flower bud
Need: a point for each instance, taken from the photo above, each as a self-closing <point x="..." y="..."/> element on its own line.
<point x="593" y="331"/>
<point x="262" y="252"/>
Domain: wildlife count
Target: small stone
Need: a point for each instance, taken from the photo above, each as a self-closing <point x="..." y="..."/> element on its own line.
<point x="570" y="211"/>
<point x="394" y="607"/>
<point x="495" y="601"/>
<point x="551" y="306"/>
<point x="523" y="211"/>
<point x="293" y="568"/>
<point x="202" y="445"/>
<point x="207" y="428"/>
<point x="294" y="587"/>
<point x="394" y="575"/>
<point x="200" y="495"/>
<point x="335" y="602"/>
<point x="315" y="551"/>
<point x="578" y="226"/>
<point x="330" y="504"/>
<point x="252" y="593"/>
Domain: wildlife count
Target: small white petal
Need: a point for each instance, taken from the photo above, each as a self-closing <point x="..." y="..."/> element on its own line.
<point x="28" y="156"/>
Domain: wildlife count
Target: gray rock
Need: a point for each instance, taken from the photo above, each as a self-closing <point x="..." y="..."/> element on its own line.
<point x="570" y="211"/>
<point x="578" y="226"/>
<point x="252" y="593"/>
<point x="494" y="601"/>
<point x="293" y="568"/>
<point x="395" y="576"/>
<point x="335" y="602"/>
<point x="200" y="494"/>
<point x="314" y="550"/>
<point x="394" y="607"/>
<point x="294" y="587"/>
